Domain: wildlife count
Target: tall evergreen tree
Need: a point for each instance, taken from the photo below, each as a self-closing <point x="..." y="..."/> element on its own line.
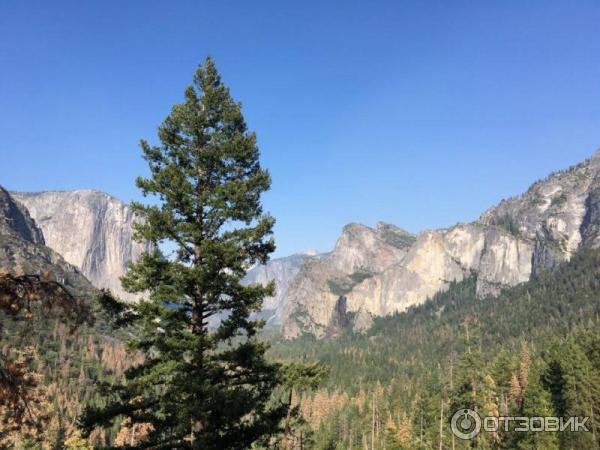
<point x="537" y="402"/>
<point x="200" y="386"/>
<point x="575" y="389"/>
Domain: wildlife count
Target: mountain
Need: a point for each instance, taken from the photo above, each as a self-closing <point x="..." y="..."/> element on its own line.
<point x="64" y="365"/>
<point x="520" y="237"/>
<point x="282" y="271"/>
<point x="90" y="229"/>
<point x="93" y="231"/>
<point x="360" y="254"/>
<point x="23" y="250"/>
<point x="400" y="345"/>
<point x="539" y="339"/>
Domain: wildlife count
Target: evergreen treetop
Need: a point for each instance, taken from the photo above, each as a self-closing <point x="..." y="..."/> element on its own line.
<point x="200" y="387"/>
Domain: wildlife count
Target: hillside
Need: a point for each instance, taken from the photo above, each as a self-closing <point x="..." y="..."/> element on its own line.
<point x="67" y="363"/>
<point x="410" y="362"/>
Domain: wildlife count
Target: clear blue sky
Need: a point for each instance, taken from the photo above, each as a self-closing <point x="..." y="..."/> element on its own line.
<point x="419" y="113"/>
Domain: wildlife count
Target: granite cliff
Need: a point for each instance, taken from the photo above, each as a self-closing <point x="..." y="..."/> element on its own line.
<point x="23" y="251"/>
<point x="93" y="231"/>
<point x="360" y="254"/>
<point x="507" y="245"/>
<point x="90" y="229"/>
<point x="370" y="272"/>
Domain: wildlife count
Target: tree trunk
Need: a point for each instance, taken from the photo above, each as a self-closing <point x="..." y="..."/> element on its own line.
<point x="373" y="424"/>
<point x="441" y="424"/>
<point x="287" y="420"/>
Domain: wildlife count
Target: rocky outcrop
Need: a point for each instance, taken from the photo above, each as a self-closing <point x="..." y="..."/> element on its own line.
<point x="360" y="254"/>
<point x="22" y="250"/>
<point x="93" y="231"/>
<point x="509" y="243"/>
<point x="90" y="229"/>
<point x="16" y="221"/>
<point x="340" y="320"/>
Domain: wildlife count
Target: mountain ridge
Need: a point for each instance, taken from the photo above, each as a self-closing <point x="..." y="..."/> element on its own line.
<point x="377" y="270"/>
<point x="505" y="246"/>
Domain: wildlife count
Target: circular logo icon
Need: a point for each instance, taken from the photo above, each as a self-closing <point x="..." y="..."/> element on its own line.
<point x="466" y="424"/>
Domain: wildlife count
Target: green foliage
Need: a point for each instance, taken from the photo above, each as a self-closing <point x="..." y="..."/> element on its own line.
<point x="397" y="238"/>
<point x="77" y="442"/>
<point x="72" y="365"/>
<point x="303" y="376"/>
<point x="537" y="402"/>
<point x="199" y="387"/>
<point x="343" y="285"/>
<point x="458" y="351"/>
<point x="507" y="222"/>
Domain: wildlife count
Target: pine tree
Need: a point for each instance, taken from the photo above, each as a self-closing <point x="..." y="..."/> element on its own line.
<point x="574" y="389"/>
<point x="515" y="391"/>
<point x="524" y="366"/>
<point x="536" y="403"/>
<point x="77" y="442"/>
<point x="199" y="387"/>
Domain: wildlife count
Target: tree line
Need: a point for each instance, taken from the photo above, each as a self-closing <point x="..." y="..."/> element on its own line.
<point x="531" y="351"/>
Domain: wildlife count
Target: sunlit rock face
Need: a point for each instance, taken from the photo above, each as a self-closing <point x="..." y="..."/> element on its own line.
<point x="93" y="231"/>
<point x="360" y="254"/>
<point x="16" y="221"/>
<point x="22" y="250"/>
<point x="380" y="275"/>
<point x="89" y="229"/>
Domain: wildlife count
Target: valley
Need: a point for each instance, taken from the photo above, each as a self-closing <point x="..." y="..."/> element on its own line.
<point x="491" y="314"/>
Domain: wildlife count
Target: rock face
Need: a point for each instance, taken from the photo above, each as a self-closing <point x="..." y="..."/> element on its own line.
<point x="378" y="274"/>
<point x="360" y="254"/>
<point x="282" y="271"/>
<point x="341" y="319"/>
<point x="90" y="229"/>
<point x="15" y="220"/>
<point x="22" y="249"/>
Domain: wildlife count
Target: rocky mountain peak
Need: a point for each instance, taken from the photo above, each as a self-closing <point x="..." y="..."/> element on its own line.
<point x="22" y="249"/>
<point x="395" y="236"/>
<point x="364" y="249"/>
<point x="360" y="253"/>
<point x="90" y="229"/>
<point x="384" y="270"/>
<point x="15" y="219"/>
<point x="595" y="161"/>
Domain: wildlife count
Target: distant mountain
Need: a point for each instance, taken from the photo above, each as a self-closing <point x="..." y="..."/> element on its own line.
<point x="282" y="271"/>
<point x="359" y="254"/>
<point x="90" y="229"/>
<point x="93" y="231"/>
<point x="509" y="243"/>
<point x="371" y="271"/>
<point x="23" y="250"/>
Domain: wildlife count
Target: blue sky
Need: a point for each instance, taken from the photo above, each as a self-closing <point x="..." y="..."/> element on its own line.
<point x="421" y="114"/>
